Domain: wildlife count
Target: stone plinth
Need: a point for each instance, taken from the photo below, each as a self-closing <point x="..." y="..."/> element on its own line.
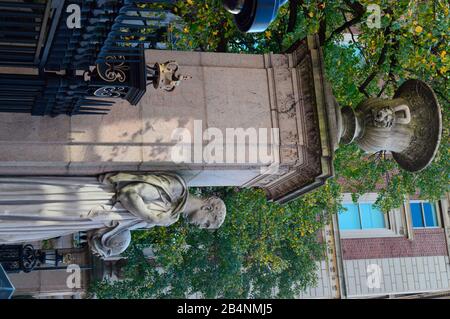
<point x="285" y="91"/>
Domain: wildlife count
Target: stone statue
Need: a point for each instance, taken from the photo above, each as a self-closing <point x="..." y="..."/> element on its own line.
<point x="38" y="208"/>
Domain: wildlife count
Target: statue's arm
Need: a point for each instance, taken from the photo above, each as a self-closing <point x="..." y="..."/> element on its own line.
<point x="120" y="180"/>
<point x="107" y="242"/>
<point x="122" y="177"/>
<point x="133" y="202"/>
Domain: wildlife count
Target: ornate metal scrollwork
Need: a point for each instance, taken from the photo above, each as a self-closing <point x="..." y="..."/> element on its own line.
<point x="16" y="258"/>
<point x="114" y="69"/>
<point x="29" y="258"/>
<point x="111" y="91"/>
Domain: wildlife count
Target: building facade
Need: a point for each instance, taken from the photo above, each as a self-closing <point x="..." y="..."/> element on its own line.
<point x="395" y="254"/>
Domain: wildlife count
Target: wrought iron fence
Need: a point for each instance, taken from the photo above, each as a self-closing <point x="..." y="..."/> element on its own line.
<point x="111" y="38"/>
<point x="48" y="94"/>
<point x="136" y="24"/>
<point x="23" y="29"/>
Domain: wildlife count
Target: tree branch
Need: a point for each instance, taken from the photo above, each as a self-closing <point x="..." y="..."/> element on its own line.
<point x="392" y="64"/>
<point x="356" y="7"/>
<point x="222" y="46"/>
<point x="293" y="11"/>
<point x="442" y="95"/>
<point x="354" y="40"/>
<point x="346" y="25"/>
<point x="381" y="60"/>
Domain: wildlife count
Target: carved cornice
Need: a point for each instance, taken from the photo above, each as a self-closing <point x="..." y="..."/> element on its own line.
<point x="302" y="108"/>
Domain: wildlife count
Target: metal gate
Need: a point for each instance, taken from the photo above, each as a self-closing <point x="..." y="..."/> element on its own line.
<point x="70" y="63"/>
<point x="23" y="30"/>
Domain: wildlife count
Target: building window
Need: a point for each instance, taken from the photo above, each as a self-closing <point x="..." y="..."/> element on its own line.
<point x="361" y="216"/>
<point x="423" y="215"/>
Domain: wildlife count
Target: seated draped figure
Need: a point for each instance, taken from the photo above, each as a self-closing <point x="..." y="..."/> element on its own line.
<point x="38" y="208"/>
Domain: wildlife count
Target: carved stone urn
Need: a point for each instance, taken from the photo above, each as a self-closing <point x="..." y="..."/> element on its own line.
<point x="409" y="126"/>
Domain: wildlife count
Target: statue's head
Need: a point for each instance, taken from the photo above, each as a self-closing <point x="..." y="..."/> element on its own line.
<point x="210" y="215"/>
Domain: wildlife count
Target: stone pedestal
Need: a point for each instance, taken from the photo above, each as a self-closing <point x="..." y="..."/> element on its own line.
<point x="284" y="91"/>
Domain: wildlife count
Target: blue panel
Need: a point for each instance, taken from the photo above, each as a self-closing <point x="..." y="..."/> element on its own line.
<point x="349" y="219"/>
<point x="366" y="220"/>
<point x="430" y="215"/>
<point x="416" y="214"/>
<point x="6" y="287"/>
<point x="371" y="217"/>
<point x="378" y="220"/>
